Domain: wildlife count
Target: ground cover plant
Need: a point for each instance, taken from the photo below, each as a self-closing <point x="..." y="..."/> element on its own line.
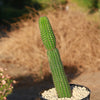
<point x="5" y="85"/>
<point x="94" y="4"/>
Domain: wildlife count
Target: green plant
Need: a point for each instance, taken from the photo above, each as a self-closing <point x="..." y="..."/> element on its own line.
<point x="59" y="78"/>
<point x="88" y="3"/>
<point x="5" y="85"/>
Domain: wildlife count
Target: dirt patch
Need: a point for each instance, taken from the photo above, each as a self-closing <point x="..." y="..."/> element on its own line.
<point x="25" y="92"/>
<point x="91" y="80"/>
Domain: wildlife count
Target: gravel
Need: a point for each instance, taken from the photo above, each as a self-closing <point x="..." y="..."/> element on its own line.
<point x="78" y="93"/>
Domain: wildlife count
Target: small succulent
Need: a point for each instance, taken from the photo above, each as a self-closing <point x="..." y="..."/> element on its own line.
<point x="59" y="78"/>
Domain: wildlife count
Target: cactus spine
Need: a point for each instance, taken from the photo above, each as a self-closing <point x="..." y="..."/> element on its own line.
<point x="58" y="74"/>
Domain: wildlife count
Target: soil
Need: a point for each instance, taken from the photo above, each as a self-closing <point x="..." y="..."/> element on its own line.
<point x="88" y="79"/>
<point x="23" y="55"/>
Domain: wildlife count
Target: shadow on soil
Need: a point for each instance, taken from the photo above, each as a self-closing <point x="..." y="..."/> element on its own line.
<point x="27" y="89"/>
<point x="3" y="34"/>
<point x="3" y="30"/>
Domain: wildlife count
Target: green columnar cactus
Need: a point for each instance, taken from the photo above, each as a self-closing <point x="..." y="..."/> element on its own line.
<point x="59" y="78"/>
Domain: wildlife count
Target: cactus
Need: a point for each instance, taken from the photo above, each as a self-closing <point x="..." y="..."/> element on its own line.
<point x="47" y="33"/>
<point x="59" y="78"/>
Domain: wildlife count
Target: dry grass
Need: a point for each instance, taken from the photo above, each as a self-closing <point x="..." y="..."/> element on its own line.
<point x="78" y="41"/>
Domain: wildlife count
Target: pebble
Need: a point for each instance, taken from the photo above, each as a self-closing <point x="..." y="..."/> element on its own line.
<point x="78" y="93"/>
